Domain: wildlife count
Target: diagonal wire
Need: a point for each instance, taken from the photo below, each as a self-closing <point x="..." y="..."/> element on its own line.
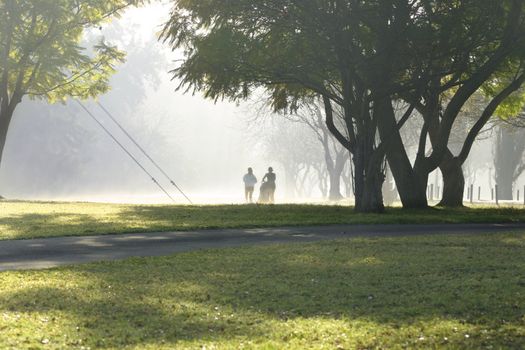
<point x="143" y="151"/>
<point x="124" y="149"/>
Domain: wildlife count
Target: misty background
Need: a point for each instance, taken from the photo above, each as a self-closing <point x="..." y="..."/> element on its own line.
<point x="58" y="152"/>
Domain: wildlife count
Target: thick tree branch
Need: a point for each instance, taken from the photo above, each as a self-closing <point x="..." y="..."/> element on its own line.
<point x="405" y="116"/>
<point x="382" y="147"/>
<point x="330" y="124"/>
<point x="422" y="145"/>
<point x="475" y="82"/>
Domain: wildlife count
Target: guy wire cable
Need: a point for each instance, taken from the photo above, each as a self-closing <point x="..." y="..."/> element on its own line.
<point x="143" y="151"/>
<point x="124" y="149"/>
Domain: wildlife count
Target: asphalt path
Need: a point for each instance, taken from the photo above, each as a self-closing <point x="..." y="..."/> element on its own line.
<point x="52" y="252"/>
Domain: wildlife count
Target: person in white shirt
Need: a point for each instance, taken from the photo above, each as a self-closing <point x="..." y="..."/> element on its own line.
<point x="249" y="183"/>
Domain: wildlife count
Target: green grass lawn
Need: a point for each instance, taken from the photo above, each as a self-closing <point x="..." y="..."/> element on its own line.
<point x="449" y="291"/>
<point x="48" y="219"/>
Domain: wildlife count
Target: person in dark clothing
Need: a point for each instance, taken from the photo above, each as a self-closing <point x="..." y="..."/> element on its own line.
<point x="268" y="186"/>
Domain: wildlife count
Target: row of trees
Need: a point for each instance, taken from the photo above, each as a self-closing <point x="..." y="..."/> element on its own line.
<point x="311" y="160"/>
<point x="360" y="70"/>
<point x="364" y="57"/>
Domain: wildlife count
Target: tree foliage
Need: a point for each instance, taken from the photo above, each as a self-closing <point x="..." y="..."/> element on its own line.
<point x="41" y="53"/>
<point x="362" y="55"/>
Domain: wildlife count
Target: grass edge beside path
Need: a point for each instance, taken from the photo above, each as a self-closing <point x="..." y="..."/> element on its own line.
<point x="23" y="220"/>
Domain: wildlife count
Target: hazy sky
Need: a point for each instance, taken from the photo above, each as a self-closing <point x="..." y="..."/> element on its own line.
<point x="209" y="137"/>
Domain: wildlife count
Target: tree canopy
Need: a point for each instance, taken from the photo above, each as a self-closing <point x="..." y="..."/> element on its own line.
<point x="41" y="50"/>
<point x="362" y="55"/>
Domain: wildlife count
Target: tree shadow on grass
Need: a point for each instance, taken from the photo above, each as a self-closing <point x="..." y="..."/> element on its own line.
<point x="130" y="219"/>
<point x="116" y="320"/>
<point x="236" y="216"/>
<point x="470" y="283"/>
<point x="52" y="224"/>
<point x="58" y="224"/>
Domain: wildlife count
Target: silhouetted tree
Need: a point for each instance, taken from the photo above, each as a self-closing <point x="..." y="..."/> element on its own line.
<point x="362" y="56"/>
<point x="311" y="114"/>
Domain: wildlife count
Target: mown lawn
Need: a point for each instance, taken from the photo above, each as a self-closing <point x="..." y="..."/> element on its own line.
<point x="450" y="291"/>
<point x="48" y="219"/>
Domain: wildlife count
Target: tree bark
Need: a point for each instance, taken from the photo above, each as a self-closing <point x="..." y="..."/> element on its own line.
<point x="453" y="181"/>
<point x="372" y="199"/>
<point x="411" y="184"/>
<point x="368" y="177"/>
<point x="5" y="120"/>
<point x="368" y="180"/>
<point x="450" y="166"/>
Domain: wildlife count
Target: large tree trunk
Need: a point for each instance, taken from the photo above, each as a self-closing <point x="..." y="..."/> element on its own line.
<point x="453" y="181"/>
<point x="453" y="176"/>
<point x="359" y="178"/>
<point x="368" y="181"/>
<point x="372" y="200"/>
<point x="5" y="120"/>
<point x="411" y="184"/>
<point x="368" y="178"/>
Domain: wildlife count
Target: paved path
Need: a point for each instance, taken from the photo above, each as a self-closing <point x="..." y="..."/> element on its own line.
<point x="50" y="252"/>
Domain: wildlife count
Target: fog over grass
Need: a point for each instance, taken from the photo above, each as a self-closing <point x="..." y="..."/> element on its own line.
<point x="56" y="152"/>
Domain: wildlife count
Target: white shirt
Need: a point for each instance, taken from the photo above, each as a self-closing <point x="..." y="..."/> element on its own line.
<point x="249" y="180"/>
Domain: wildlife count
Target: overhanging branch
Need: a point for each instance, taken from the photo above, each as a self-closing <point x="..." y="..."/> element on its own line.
<point x="330" y="124"/>
<point x="487" y="114"/>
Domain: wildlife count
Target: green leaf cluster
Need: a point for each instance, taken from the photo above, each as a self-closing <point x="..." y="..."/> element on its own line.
<point x="41" y="53"/>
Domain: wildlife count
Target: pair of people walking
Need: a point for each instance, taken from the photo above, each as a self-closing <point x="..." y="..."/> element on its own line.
<point x="267" y="190"/>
